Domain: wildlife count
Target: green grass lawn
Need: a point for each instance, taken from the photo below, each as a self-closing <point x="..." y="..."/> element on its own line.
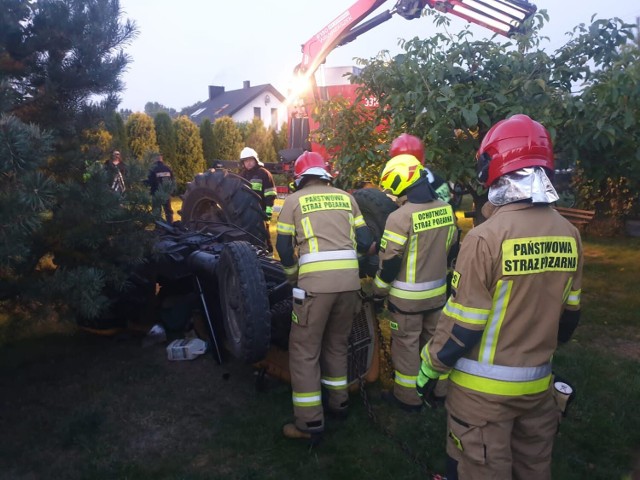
<point x="75" y="406"/>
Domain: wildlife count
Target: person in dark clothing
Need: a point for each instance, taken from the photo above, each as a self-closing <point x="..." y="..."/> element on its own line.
<point x="117" y="172"/>
<point x="161" y="175"/>
<point x="261" y="182"/>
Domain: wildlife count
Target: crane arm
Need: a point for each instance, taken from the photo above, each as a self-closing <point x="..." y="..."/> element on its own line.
<point x="501" y="16"/>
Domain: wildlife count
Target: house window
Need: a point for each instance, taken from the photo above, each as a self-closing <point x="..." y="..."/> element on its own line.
<point x="274" y="118"/>
<point x="257" y="112"/>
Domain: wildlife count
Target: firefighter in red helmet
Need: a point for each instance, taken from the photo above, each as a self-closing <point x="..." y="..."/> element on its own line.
<point x="516" y="296"/>
<point x="326" y="227"/>
<point x="412" y="145"/>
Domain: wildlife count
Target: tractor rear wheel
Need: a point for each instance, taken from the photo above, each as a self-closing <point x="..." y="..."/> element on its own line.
<point x="245" y="303"/>
<point x="375" y="206"/>
<point x="217" y="199"/>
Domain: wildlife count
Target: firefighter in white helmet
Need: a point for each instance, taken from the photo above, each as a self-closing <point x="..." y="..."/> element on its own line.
<point x="326" y="227"/>
<point x="419" y="242"/>
<point x="261" y="182"/>
<point x="516" y="295"/>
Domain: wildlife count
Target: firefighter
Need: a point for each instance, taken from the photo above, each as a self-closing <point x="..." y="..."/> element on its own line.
<point x="412" y="145"/>
<point x="326" y="227"/>
<point x="420" y="240"/>
<point x="161" y="174"/>
<point x="261" y="182"/>
<point x="516" y="295"/>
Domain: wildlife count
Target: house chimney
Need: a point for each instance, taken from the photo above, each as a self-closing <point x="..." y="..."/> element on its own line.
<point x="246" y="84"/>
<point x="214" y="91"/>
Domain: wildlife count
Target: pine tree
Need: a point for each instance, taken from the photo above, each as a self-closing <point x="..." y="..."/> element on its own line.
<point x="115" y="126"/>
<point x="68" y="241"/>
<point x="189" y="157"/>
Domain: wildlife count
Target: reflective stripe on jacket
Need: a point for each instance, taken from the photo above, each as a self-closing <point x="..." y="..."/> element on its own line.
<point x="515" y="275"/>
<point x="421" y="234"/>
<point x="321" y="221"/>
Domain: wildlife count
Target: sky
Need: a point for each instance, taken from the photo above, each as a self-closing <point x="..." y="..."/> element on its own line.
<point x="185" y="46"/>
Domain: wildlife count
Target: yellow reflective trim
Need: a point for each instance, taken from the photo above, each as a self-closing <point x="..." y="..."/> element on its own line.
<point x="290" y="270"/>
<point x="378" y="282"/>
<point x="352" y="231"/>
<point x="334" y="383"/>
<point x="409" y="295"/>
<point x="286" y="228"/>
<point x="473" y="316"/>
<point x="574" y="298"/>
<point x="324" y="201"/>
<point x="312" y="399"/>
<point x="567" y="289"/>
<point x="394" y="237"/>
<point x="432" y="218"/>
<point x="308" y="234"/>
<point x="529" y="255"/>
<point x="405" y="380"/>
<point x="491" y="333"/>
<point x="383" y="243"/>
<point x="412" y="258"/>
<point x="452" y="231"/>
<point x="270" y="193"/>
<point x="425" y="355"/>
<point x="456" y="441"/>
<point x="499" y="387"/>
<point x="393" y="325"/>
<point x="359" y="221"/>
<point x="329" y="265"/>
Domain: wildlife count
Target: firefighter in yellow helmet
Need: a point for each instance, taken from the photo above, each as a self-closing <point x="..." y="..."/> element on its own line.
<point x="419" y="242"/>
<point x="516" y="295"/>
<point x="326" y="227"/>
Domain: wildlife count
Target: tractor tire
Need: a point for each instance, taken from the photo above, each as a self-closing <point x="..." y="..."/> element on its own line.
<point x="375" y="206"/>
<point x="244" y="302"/>
<point x="219" y="198"/>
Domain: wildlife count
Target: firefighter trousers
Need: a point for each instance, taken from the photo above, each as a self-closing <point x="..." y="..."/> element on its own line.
<point x="409" y="333"/>
<point x="318" y="346"/>
<point x="501" y="438"/>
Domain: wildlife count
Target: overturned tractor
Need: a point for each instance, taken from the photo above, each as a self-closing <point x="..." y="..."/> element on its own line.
<point x="218" y="253"/>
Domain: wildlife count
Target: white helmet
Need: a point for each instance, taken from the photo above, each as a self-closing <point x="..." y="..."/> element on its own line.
<point x="248" y="152"/>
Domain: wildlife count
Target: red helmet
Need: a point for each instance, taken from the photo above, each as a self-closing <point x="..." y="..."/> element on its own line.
<point x="311" y="163"/>
<point x="407" y="144"/>
<point x="511" y="144"/>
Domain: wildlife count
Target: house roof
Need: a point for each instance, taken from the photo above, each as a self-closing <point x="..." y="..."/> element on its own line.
<point x="221" y="103"/>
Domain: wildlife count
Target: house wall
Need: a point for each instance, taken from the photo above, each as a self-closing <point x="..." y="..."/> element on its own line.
<point x="246" y="113"/>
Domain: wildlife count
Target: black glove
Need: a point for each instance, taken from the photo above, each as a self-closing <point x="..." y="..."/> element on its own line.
<point x="426" y="385"/>
<point x="378" y="303"/>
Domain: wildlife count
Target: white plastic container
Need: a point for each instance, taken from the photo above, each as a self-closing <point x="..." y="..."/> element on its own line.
<point x="186" y="349"/>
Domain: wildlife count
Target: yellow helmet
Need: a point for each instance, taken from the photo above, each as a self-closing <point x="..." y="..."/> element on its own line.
<point x="400" y="173"/>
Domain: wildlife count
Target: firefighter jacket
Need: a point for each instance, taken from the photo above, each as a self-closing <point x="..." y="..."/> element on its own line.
<point x="160" y="173"/>
<point x="413" y="255"/>
<point x="261" y="182"/>
<point x="326" y="226"/>
<point x="516" y="286"/>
